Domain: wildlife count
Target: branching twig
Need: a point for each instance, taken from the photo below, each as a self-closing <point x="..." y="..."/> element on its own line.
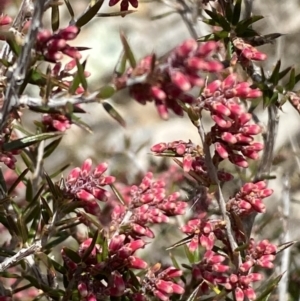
<point x="57" y="101"/>
<point x="18" y="72"/>
<point x="19" y="256"/>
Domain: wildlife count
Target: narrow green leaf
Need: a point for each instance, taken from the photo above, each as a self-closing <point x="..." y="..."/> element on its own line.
<point x="219" y="19"/>
<point x="128" y="52"/>
<point x="269" y="288"/>
<point x="49" y="149"/>
<point x="244" y="24"/>
<point x="80" y="71"/>
<point x="55" y="18"/>
<point x="79" y="78"/>
<point x="46" y="260"/>
<point x="106" y="92"/>
<point x="46" y="207"/>
<point x="284" y="72"/>
<point x="90" y="248"/>
<point x="291" y="84"/>
<point x="59" y="171"/>
<point x="236" y="12"/>
<point x="72" y="255"/>
<point x="3" y="186"/>
<point x="18" y="180"/>
<point x="77" y="120"/>
<point x="113" y="113"/>
<point x="70" y="9"/>
<point x="297" y="78"/>
<point x="89" y="14"/>
<point x="116" y="14"/>
<point x="228" y="11"/>
<point x="23" y="229"/>
<point x="118" y="195"/>
<point x="274" y="78"/>
<point x="63" y="235"/>
<point x="13" y="227"/>
<point x="26" y="141"/>
<point x="121" y="64"/>
<point x="52" y="187"/>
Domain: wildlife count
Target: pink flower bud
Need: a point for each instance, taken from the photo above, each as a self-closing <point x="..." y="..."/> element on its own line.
<point x="100" y="169"/>
<point x="219" y="108"/>
<point x="186" y="47"/>
<point x="206" y="48"/>
<point x="180" y="80"/>
<point x="221" y="150"/>
<point x="69" y="33"/>
<point x="229" y="138"/>
<point x="159" y="148"/>
<point x="137" y="263"/>
<point x="229" y="81"/>
<point x="158" y="93"/>
<point x="86" y="167"/>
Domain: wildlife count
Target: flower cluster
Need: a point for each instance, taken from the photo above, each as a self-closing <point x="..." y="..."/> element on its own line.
<point x="87" y="185"/>
<point x="249" y="199"/>
<point x="169" y="81"/>
<point x="232" y="134"/>
<point x="146" y="204"/>
<point x="240" y="284"/>
<point x="160" y="283"/>
<point x="8" y="157"/>
<point x="53" y="46"/>
<point x="98" y="279"/>
<point x="193" y="159"/>
<point x="201" y="232"/>
<point x="247" y="52"/>
<point x="124" y="3"/>
<point x="261" y="254"/>
<point x="56" y="122"/>
<point x="211" y="269"/>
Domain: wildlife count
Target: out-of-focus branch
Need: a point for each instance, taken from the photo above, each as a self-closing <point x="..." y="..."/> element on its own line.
<point x="58" y="101"/>
<point x="248" y="9"/>
<point x="285" y="260"/>
<point x="17" y="73"/>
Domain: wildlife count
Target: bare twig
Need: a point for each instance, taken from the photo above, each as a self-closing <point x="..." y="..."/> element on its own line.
<point x="57" y="101"/>
<point x="18" y="72"/>
<point x="285" y="259"/>
<point x="23" y="253"/>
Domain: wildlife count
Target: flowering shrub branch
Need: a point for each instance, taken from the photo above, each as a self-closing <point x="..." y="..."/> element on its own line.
<point x="89" y="235"/>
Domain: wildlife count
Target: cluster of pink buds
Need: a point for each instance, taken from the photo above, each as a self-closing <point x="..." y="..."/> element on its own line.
<point x="201" y="232"/>
<point x="247" y="51"/>
<point x="249" y="199"/>
<point x="240" y="284"/>
<point x="161" y="283"/>
<point x="169" y="81"/>
<point x="53" y="45"/>
<point x="87" y="185"/>
<point x="261" y="254"/>
<point x="99" y="279"/>
<point x="232" y="134"/>
<point x="124" y="4"/>
<point x="56" y="122"/>
<point x="210" y="269"/>
<point x="193" y="159"/>
<point x="147" y="204"/>
<point x="63" y="73"/>
<point x="8" y="157"/>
